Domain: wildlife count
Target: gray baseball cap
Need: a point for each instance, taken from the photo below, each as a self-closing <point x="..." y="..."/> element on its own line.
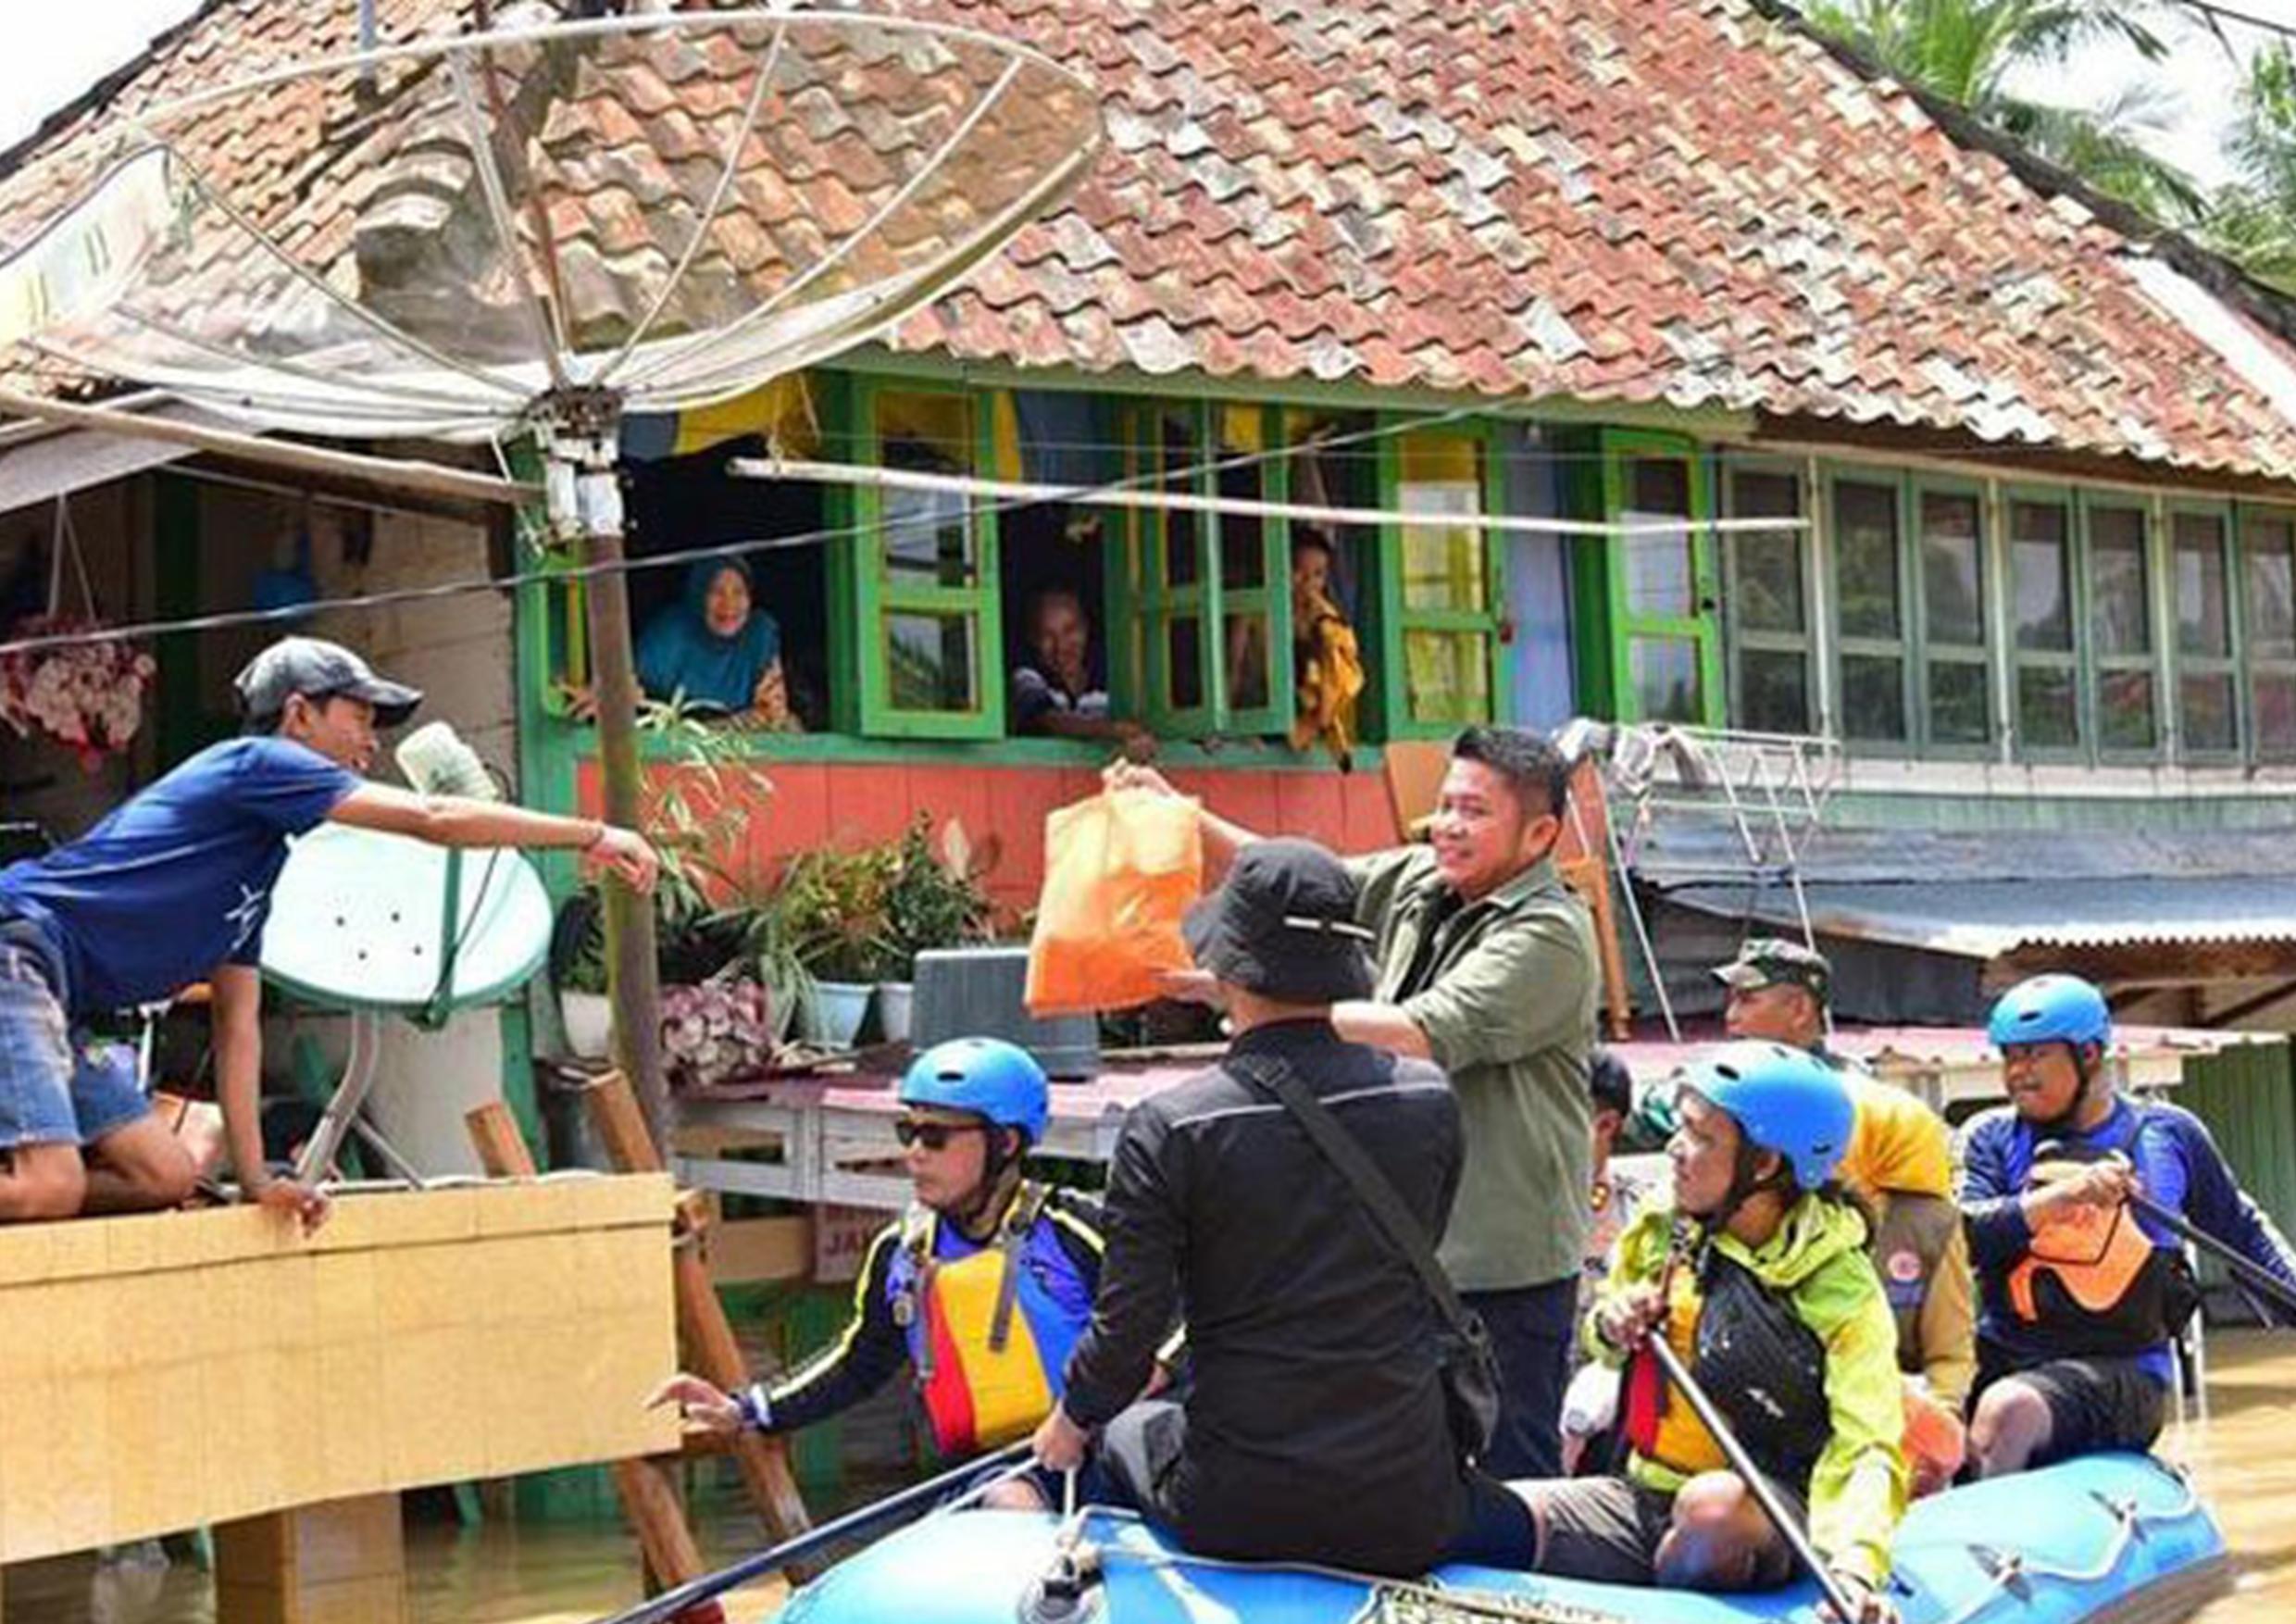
<point x="316" y="669"/>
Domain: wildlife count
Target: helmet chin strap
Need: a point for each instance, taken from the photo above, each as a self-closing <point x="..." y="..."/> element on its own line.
<point x="1745" y="1184"/>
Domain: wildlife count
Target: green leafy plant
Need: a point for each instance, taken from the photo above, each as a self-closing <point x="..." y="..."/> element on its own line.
<point x="829" y="913"/>
<point x="935" y="898"/>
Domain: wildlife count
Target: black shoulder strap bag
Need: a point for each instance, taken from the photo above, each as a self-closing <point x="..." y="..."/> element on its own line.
<point x="1470" y="1368"/>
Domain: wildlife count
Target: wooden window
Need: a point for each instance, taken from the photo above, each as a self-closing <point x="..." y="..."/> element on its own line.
<point x="2123" y="662"/>
<point x="2044" y="647"/>
<point x="1440" y="594"/>
<point x="2268" y="585"/>
<point x="926" y="586"/>
<point x="2208" y="687"/>
<point x="1766" y="602"/>
<point x="1956" y="673"/>
<point x="1870" y="611"/>
<point x="1205" y="598"/>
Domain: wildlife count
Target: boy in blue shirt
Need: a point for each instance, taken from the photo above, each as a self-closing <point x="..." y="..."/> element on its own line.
<point x="174" y="886"/>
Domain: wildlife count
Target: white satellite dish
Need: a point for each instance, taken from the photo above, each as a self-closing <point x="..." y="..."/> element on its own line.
<point x="365" y="920"/>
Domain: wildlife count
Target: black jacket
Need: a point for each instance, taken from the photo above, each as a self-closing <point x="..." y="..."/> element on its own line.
<point x="1315" y="1423"/>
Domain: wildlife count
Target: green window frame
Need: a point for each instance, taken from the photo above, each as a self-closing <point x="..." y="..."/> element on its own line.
<point x="2267" y="555"/>
<point x="1873" y="649"/>
<point x="2123" y="688"/>
<point x="1769" y="600"/>
<point x="1442" y="588"/>
<point x="2208" y="636"/>
<point x="1183" y="574"/>
<point x="2041" y="540"/>
<point x="909" y="583"/>
<point x="1953" y="585"/>
<point x="1663" y="597"/>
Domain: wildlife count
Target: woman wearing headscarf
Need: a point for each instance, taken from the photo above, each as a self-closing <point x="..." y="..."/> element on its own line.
<point x="716" y="649"/>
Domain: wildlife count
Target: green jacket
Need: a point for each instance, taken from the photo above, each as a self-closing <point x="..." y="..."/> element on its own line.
<point x="1506" y="998"/>
<point x="1818" y="1259"/>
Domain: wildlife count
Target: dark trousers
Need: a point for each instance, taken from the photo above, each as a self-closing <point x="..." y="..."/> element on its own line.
<point x="1530" y="1328"/>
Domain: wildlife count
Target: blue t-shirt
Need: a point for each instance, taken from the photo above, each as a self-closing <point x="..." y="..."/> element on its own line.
<point x="176" y="879"/>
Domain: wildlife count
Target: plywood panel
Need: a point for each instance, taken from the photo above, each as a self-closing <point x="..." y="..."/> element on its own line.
<point x="161" y="1372"/>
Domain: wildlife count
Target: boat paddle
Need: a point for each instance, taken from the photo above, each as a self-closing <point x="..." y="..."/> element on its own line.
<point x="694" y="1591"/>
<point x="1781" y="1518"/>
<point x="2244" y="1270"/>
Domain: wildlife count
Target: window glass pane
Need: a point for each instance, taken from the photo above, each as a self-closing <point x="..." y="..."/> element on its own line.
<point x="1247" y="661"/>
<point x="2273" y="709"/>
<point x="1767" y="563"/>
<point x="1175" y="451"/>
<point x="1184" y="654"/>
<point x="1865" y="551"/>
<point x="1443" y="564"/>
<point x="1952" y="577"/>
<point x="2048" y="715"/>
<point x="1959" y="703"/>
<point x="1446" y="677"/>
<point x="1773" y="690"/>
<point x="927" y="535"/>
<point x="2210" y="720"/>
<point x="2204" y="622"/>
<point x="1243" y="558"/>
<point x="2124" y="710"/>
<point x="2271" y="590"/>
<point x="1662" y="572"/>
<point x="2044" y="607"/>
<point x="2120" y="608"/>
<point x="930" y="658"/>
<point x="1872" y="697"/>
<point x="1664" y="673"/>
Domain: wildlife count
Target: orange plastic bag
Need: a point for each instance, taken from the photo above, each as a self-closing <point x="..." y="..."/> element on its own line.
<point x="1120" y="871"/>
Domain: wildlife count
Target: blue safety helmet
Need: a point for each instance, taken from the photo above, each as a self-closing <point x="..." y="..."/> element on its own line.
<point x="2044" y="1009"/>
<point x="1783" y="1100"/>
<point x="987" y="1076"/>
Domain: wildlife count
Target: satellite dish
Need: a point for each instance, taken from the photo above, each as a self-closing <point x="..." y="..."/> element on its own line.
<point x="361" y="921"/>
<point x="466" y="236"/>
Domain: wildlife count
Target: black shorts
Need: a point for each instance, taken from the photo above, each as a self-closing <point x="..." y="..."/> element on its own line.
<point x="2099" y="1401"/>
<point x="1609" y="1530"/>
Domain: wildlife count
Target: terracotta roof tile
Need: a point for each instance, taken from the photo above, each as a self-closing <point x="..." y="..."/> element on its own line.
<point x="1631" y="200"/>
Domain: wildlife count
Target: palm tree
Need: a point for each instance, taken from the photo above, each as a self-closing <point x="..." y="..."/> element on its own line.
<point x="1965" y="51"/>
<point x="2254" y="219"/>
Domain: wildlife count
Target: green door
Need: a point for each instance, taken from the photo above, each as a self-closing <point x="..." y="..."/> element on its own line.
<point x="1665" y="608"/>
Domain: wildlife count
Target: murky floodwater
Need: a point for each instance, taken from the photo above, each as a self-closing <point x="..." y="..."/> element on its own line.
<point x="506" y="1573"/>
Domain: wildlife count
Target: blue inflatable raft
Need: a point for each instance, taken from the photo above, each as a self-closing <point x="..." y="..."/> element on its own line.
<point x="2111" y="1539"/>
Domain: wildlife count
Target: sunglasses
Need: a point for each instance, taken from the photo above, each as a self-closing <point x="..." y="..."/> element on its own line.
<point x="932" y="1135"/>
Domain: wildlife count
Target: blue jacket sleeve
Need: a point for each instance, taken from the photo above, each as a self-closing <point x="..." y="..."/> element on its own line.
<point x="861" y="1360"/>
<point x="2214" y="1201"/>
<point x="1989" y="1197"/>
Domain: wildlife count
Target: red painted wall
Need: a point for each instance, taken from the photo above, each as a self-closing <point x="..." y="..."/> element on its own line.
<point x="851" y="803"/>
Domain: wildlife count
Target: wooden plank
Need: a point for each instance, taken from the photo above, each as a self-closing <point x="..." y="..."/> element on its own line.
<point x="711" y="1350"/>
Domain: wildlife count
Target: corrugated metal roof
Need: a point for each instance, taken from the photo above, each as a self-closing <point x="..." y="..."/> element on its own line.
<point x="1984" y="919"/>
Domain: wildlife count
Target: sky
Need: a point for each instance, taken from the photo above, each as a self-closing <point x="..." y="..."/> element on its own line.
<point x="41" y="72"/>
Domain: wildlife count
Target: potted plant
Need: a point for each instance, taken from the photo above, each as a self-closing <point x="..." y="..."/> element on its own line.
<point x="934" y="899"/>
<point x="830" y="905"/>
<point x="578" y="970"/>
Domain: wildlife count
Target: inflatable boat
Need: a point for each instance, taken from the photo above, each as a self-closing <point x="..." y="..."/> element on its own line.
<point x="2109" y="1538"/>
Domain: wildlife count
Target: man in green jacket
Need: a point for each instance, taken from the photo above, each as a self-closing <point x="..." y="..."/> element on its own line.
<point x="1487" y="966"/>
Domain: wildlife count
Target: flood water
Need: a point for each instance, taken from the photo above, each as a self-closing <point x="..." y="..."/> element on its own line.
<point x="2244" y="1454"/>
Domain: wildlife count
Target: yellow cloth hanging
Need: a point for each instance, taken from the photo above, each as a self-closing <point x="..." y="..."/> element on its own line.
<point x="1330" y="679"/>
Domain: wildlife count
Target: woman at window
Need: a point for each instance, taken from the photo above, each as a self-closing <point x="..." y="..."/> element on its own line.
<point x="715" y="650"/>
<point x="1326" y="662"/>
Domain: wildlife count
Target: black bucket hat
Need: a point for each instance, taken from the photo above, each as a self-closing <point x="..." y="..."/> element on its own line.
<point x="1283" y="926"/>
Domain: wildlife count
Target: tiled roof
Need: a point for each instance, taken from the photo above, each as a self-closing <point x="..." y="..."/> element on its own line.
<point x="1679" y="201"/>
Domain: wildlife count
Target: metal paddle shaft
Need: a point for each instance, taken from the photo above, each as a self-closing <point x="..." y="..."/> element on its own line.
<point x="671" y="1603"/>
<point x="1781" y="1518"/>
<point x="2246" y="1269"/>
